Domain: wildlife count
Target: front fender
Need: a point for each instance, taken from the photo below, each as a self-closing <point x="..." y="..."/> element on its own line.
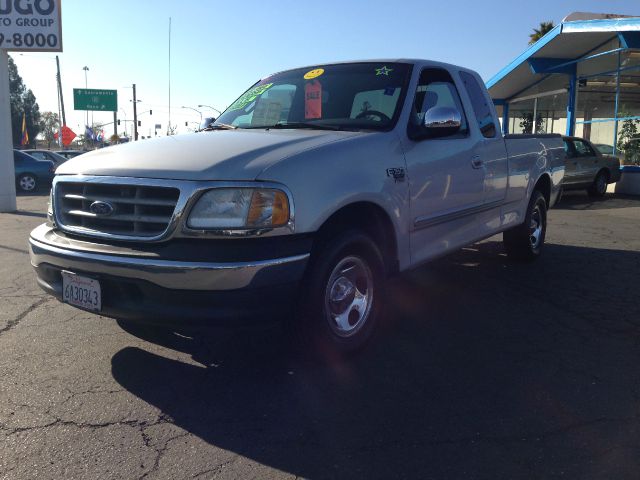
<point x="325" y="179"/>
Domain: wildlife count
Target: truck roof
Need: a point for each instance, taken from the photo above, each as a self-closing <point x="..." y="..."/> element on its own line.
<point x="412" y="61"/>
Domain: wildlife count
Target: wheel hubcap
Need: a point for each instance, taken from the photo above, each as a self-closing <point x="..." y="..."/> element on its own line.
<point x="602" y="184"/>
<point x="349" y="296"/>
<point x="535" y="228"/>
<point x="27" y="183"/>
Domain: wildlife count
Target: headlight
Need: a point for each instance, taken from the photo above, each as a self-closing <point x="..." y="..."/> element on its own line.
<point x="240" y="208"/>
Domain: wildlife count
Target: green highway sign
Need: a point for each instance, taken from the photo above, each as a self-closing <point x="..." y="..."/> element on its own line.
<point x="94" y="99"/>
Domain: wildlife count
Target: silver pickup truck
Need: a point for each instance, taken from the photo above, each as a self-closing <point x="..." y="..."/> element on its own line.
<point x="312" y="188"/>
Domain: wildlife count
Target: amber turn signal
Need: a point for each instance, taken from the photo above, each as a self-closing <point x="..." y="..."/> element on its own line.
<point x="269" y="208"/>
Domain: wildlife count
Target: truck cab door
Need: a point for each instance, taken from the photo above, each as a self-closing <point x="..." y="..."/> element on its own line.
<point x="446" y="183"/>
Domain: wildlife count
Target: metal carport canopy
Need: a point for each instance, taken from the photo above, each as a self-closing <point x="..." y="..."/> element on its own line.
<point x="567" y="41"/>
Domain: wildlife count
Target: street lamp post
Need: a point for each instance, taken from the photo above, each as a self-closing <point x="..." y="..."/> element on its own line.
<point x="124" y="113"/>
<point x="135" y="115"/>
<point x="195" y="110"/>
<point x="209" y="106"/>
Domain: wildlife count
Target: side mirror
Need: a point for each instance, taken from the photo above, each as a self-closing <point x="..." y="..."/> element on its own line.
<point x="441" y="122"/>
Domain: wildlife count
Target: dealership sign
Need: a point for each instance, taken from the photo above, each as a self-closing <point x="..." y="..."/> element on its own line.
<point x="30" y="25"/>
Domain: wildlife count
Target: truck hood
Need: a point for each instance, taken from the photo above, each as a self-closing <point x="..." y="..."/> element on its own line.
<point x="215" y="155"/>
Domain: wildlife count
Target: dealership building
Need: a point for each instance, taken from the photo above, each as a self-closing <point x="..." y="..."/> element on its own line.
<point x="582" y="78"/>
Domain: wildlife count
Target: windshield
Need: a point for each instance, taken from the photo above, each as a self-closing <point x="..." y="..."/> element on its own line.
<point x="345" y="96"/>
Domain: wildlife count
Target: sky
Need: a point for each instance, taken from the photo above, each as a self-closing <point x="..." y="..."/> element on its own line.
<point x="220" y="48"/>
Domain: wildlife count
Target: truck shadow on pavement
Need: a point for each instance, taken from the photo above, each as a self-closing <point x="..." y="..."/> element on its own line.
<point x="483" y="369"/>
<point x="26" y="213"/>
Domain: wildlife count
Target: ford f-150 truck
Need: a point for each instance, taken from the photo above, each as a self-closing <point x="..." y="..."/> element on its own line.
<point x="314" y="186"/>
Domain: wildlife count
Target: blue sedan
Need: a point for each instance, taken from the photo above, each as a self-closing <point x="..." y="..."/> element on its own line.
<point x="31" y="174"/>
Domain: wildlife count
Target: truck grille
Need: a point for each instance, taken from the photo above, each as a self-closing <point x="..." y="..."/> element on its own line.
<point x="136" y="210"/>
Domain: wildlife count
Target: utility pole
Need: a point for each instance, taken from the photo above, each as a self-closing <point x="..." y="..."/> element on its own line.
<point x="64" y="118"/>
<point x="59" y="141"/>
<point x="135" y="115"/>
<point x="115" y="123"/>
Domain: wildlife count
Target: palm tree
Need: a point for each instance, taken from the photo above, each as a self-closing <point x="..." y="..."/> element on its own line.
<point x="538" y="33"/>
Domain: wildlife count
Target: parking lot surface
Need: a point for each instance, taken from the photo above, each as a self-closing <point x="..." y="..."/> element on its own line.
<point x="483" y="369"/>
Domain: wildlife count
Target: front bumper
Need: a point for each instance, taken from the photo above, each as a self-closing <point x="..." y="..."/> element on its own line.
<point x="141" y="286"/>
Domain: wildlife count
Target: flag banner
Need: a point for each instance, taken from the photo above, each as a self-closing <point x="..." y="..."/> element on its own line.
<point x="25" y="134"/>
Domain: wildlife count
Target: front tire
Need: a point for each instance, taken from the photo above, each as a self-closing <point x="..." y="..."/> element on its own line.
<point x="599" y="186"/>
<point x="525" y="241"/>
<point x="342" y="297"/>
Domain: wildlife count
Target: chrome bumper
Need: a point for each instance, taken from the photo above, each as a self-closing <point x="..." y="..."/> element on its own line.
<point x="176" y="275"/>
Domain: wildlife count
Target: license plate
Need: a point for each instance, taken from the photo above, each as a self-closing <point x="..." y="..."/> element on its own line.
<point x="81" y="291"/>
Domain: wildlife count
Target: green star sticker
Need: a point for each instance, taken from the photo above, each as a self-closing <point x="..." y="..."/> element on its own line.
<point x="383" y="71"/>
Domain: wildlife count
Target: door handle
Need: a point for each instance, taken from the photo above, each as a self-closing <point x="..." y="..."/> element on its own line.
<point x="476" y="161"/>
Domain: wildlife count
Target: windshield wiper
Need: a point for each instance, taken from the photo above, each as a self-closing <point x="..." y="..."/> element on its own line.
<point x="314" y="126"/>
<point x="219" y="126"/>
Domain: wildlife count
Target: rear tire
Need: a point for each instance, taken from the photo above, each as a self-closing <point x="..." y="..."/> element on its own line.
<point x="599" y="186"/>
<point x="27" y="182"/>
<point x="525" y="241"/>
<point x="341" y="299"/>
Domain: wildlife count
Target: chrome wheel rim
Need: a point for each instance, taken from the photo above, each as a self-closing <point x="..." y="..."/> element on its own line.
<point x="27" y="183"/>
<point x="349" y="296"/>
<point x="535" y="228"/>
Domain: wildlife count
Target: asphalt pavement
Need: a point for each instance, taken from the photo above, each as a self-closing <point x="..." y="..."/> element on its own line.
<point x="484" y="369"/>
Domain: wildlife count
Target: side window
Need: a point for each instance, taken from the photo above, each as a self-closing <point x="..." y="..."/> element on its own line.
<point x="590" y="151"/>
<point x="481" y="107"/>
<point x="436" y="89"/>
<point x="582" y="149"/>
<point x="39" y="155"/>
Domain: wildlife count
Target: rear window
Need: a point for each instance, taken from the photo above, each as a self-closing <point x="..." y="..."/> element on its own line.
<point x="481" y="108"/>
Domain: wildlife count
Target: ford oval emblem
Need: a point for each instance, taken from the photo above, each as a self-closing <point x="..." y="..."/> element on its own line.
<point x="102" y="209"/>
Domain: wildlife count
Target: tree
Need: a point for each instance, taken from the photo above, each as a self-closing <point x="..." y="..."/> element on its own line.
<point x="541" y="31"/>
<point x="527" y="123"/>
<point x="114" y="139"/>
<point x="49" y="124"/>
<point x="23" y="103"/>
<point x="629" y="141"/>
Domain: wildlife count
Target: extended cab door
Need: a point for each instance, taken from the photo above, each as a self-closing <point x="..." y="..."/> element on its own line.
<point x="445" y="182"/>
<point x="491" y="152"/>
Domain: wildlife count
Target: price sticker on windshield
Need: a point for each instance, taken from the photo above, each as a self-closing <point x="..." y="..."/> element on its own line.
<point x="312" y="100"/>
<point x="30" y="25"/>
